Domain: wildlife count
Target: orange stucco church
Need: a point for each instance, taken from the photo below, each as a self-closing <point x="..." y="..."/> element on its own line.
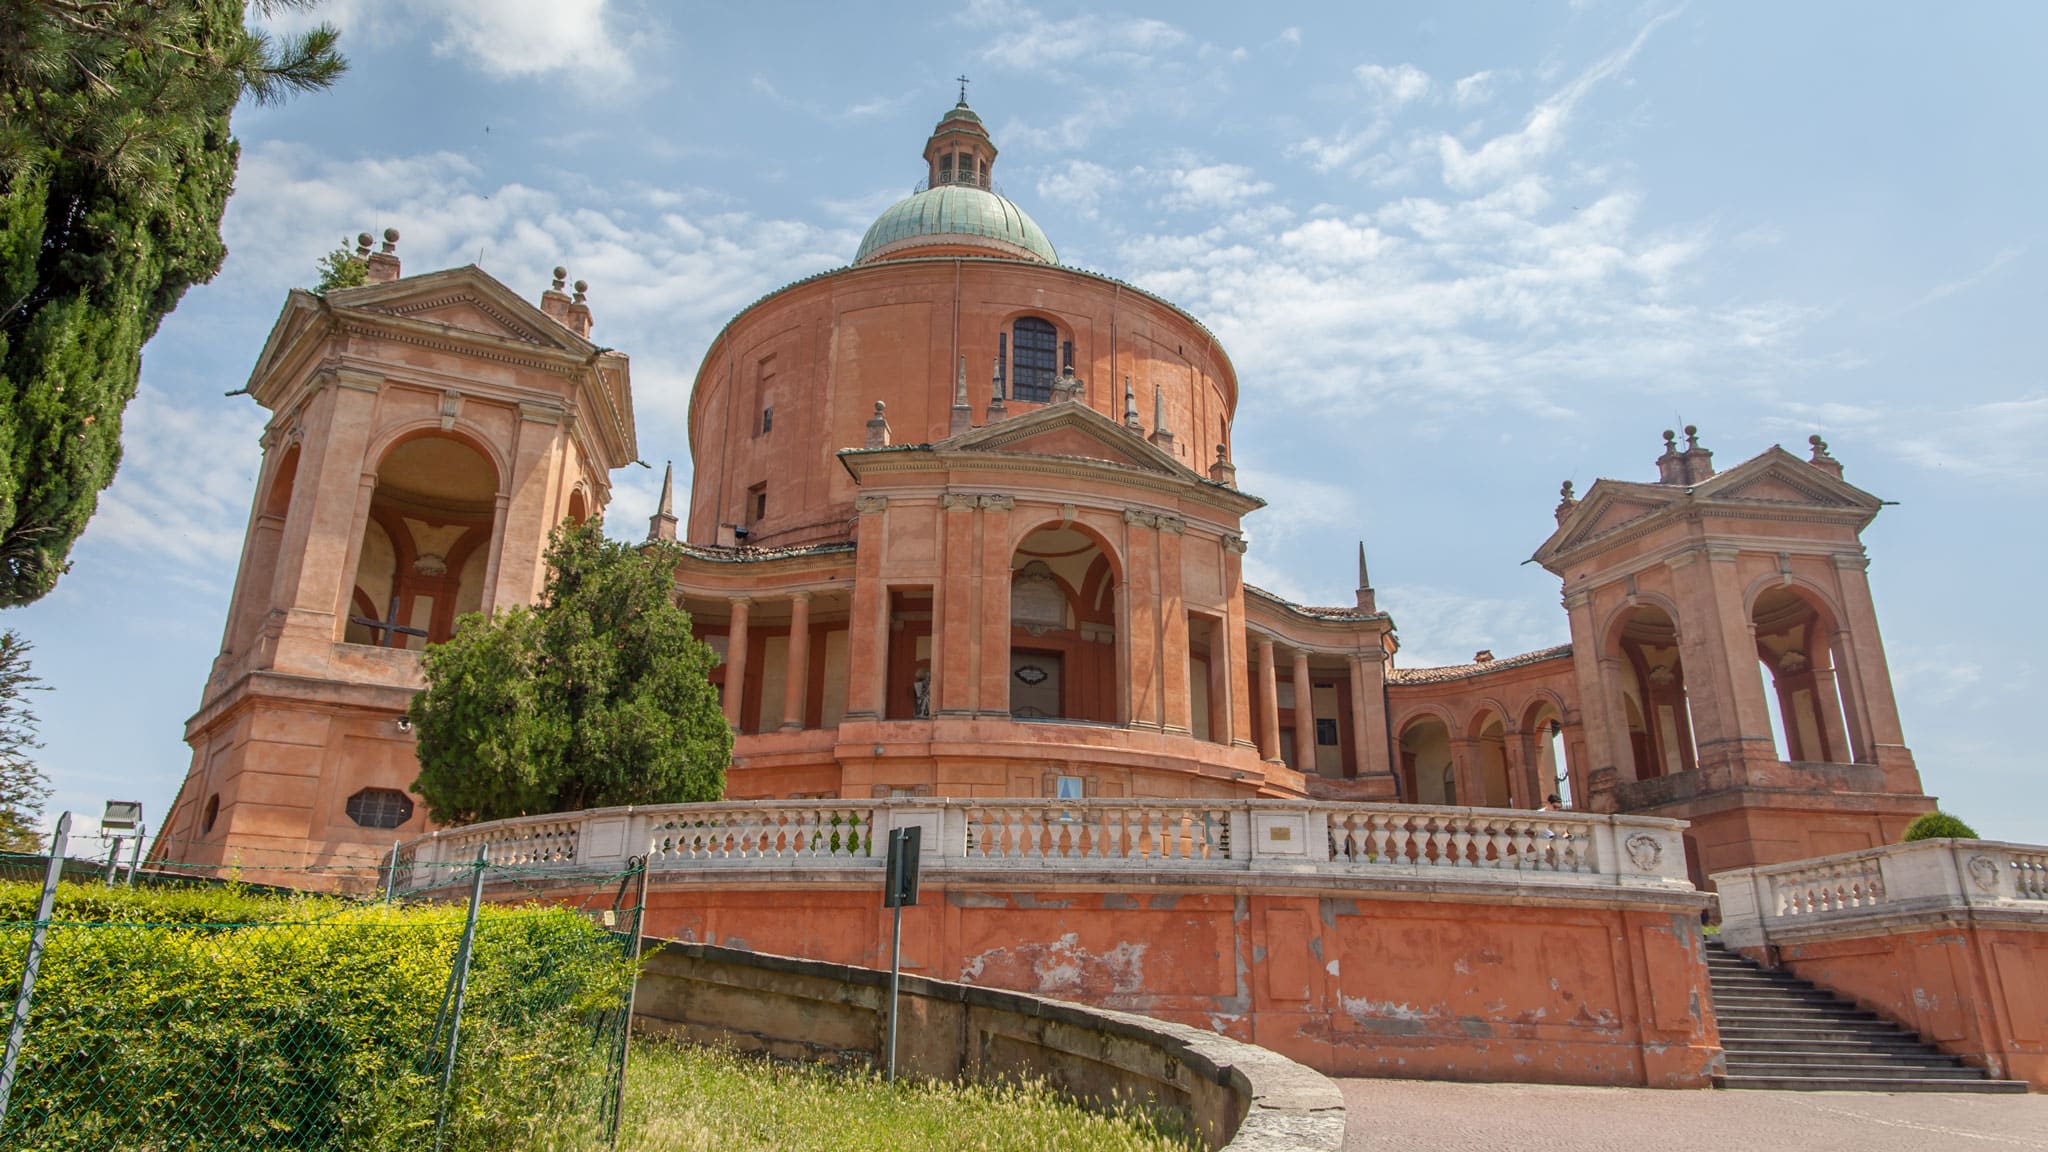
<point x="963" y="523"/>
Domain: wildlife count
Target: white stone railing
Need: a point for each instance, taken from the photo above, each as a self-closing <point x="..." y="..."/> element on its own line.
<point x="1388" y="841"/>
<point x="1898" y="879"/>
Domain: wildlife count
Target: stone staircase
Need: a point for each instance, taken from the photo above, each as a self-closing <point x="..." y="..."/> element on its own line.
<point x="1782" y="1032"/>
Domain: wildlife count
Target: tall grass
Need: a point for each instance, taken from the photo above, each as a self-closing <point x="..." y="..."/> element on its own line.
<point x="685" y="1098"/>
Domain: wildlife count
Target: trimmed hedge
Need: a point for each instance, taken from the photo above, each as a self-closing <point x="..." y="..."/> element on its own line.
<point x="188" y="1020"/>
<point x="1938" y="826"/>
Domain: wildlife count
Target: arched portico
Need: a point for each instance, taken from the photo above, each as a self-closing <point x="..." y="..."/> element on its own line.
<point x="1066" y="629"/>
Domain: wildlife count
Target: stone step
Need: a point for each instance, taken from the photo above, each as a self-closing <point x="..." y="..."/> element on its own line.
<point x="1794" y="1015"/>
<point x="1861" y="1071"/>
<point x="1742" y="1033"/>
<point x="1867" y="1084"/>
<point x="1882" y="1047"/>
<point x="1728" y="1001"/>
<point x="1836" y="1058"/>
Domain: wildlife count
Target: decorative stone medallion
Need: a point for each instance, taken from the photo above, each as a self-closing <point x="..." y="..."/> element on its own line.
<point x="1984" y="873"/>
<point x="1644" y="851"/>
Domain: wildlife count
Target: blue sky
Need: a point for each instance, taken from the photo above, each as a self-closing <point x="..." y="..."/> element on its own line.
<point x="1456" y="256"/>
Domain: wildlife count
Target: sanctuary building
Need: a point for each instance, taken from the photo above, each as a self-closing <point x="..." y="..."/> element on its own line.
<point x="963" y="523"/>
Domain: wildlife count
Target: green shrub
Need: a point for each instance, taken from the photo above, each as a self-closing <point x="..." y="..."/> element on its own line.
<point x="188" y="1020"/>
<point x="1938" y="826"/>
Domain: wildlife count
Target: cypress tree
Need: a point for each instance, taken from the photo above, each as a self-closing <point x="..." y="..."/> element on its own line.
<point x="115" y="165"/>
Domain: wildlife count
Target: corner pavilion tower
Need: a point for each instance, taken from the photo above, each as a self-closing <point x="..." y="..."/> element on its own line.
<point x="963" y="523"/>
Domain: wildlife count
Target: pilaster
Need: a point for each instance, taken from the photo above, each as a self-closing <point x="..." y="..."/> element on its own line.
<point x="796" y="682"/>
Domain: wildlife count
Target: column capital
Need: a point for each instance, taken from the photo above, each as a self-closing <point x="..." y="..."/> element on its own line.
<point x="802" y="596"/>
<point x="1722" y="553"/>
<point x="1141" y="517"/>
<point x="741" y="601"/>
<point x="1234" y="543"/>
<point x="867" y="504"/>
<point x="1173" y="525"/>
<point x="1682" y="559"/>
<point x="958" y="501"/>
<point x="357" y="380"/>
<point x="997" y="503"/>
<point x="1573" y="601"/>
<point x="541" y="413"/>
<point x="1852" y="561"/>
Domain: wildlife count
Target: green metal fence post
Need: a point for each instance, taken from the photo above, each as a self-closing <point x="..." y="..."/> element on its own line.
<point x="37" y="936"/>
<point x="463" y="953"/>
<point x="625" y="1040"/>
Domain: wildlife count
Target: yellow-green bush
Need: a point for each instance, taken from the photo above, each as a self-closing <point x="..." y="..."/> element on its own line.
<point x="188" y="1020"/>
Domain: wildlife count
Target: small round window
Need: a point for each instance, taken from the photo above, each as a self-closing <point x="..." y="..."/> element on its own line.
<point x="380" y="808"/>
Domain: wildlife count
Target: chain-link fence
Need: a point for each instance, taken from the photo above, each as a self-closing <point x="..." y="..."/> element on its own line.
<point x="216" y="1017"/>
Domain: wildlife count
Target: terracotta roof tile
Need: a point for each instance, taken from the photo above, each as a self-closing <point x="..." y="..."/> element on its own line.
<point x="1460" y="671"/>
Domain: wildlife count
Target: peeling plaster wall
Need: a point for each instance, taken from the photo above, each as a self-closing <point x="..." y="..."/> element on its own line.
<point x="1390" y="984"/>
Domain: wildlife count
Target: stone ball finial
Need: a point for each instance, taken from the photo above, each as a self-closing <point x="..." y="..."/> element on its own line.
<point x="582" y="286"/>
<point x="1565" y="491"/>
<point x="561" y="277"/>
<point x="1670" y="440"/>
<point x="363" y="240"/>
<point x="1692" y="437"/>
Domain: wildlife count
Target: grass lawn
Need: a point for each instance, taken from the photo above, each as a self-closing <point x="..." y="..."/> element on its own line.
<point x="684" y="1098"/>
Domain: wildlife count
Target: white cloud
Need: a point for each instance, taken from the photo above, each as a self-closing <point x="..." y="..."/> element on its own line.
<point x="1440" y="626"/>
<point x="1212" y="186"/>
<point x="1474" y="89"/>
<point x="589" y="42"/>
<point x="1393" y="87"/>
<point x="2000" y="439"/>
<point x="1513" y="153"/>
<point x="187" y="477"/>
<point x="1949" y="288"/>
<point x="1031" y="42"/>
<point x="1078" y="184"/>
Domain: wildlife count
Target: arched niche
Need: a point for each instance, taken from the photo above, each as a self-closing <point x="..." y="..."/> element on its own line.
<point x="426" y="544"/>
<point x="1428" y="772"/>
<point x="1653" y="699"/>
<point x="1795" y="651"/>
<point x="1064" y="632"/>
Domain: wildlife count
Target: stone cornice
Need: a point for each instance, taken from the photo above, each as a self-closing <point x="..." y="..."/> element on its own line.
<point x="913" y="460"/>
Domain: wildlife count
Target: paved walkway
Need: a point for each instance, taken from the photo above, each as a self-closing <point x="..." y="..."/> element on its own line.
<point x="1415" y="1115"/>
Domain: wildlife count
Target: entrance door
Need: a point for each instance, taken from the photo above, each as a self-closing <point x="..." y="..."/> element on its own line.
<point x="1034" y="684"/>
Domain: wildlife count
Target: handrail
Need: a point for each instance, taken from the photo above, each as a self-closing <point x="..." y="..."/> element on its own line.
<point x="1136" y="835"/>
<point x="1903" y="879"/>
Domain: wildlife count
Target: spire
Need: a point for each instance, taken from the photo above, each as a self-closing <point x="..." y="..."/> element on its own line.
<point x="963" y="416"/>
<point x="1162" y="436"/>
<point x="662" y="525"/>
<point x="1131" y="420"/>
<point x="1366" y="601"/>
<point x="997" y="410"/>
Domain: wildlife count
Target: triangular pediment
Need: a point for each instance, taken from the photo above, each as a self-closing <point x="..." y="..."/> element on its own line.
<point x="466" y="298"/>
<point x="1778" y="477"/>
<point x="1068" y="429"/>
<point x="1774" y="477"/>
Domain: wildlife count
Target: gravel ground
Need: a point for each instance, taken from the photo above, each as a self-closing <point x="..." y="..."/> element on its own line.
<point x="1417" y="1115"/>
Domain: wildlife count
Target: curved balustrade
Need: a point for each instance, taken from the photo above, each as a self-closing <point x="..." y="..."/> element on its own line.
<point x="1149" y="836"/>
<point x="1758" y="904"/>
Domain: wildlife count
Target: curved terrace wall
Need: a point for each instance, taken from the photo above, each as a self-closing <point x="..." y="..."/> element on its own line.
<point x="1234" y="1095"/>
<point x="1367" y="940"/>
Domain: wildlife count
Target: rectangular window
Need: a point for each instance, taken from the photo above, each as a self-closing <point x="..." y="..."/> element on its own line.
<point x="1070" y="788"/>
<point x="767" y="419"/>
<point x="757" y="503"/>
<point x="946" y="168"/>
<point x="1326" y="733"/>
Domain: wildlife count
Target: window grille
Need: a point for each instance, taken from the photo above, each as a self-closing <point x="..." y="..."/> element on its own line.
<point x="1033" y="359"/>
<point x="767" y="419"/>
<point x="380" y="808"/>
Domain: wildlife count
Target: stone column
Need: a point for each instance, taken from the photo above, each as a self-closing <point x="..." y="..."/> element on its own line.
<point x="1269" y="703"/>
<point x="796" y="681"/>
<point x="1304" y="717"/>
<point x="1514" y="756"/>
<point x="1176" y="695"/>
<point x="1860" y="751"/>
<point x="992" y="696"/>
<point x="1369" y="750"/>
<point x="1465" y="771"/>
<point x="867" y="629"/>
<point x="953" y="606"/>
<point x="1606" y="743"/>
<point x="1871" y="676"/>
<point x="536" y="464"/>
<point x="1141" y="579"/>
<point x="736" y="661"/>
<point x="1232" y="645"/>
<point x="1737" y="660"/>
<point x="1827" y="699"/>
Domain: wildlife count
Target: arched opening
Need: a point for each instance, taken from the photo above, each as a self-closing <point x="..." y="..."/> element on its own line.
<point x="1653" y="699"/>
<point x="1795" y="647"/>
<point x="1063" y="628"/>
<point x="1545" y="758"/>
<point x="258" y="590"/>
<point x="1490" y="761"/>
<point x="1426" y="765"/>
<point x="426" y="545"/>
<point x="579" y="509"/>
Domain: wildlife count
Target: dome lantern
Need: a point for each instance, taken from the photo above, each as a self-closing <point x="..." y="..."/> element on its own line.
<point x="957" y="207"/>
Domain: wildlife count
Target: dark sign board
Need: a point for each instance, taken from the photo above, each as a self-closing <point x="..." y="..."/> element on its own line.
<point x="899" y="886"/>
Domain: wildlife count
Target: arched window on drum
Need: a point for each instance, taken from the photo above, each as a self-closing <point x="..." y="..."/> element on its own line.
<point x="1034" y="359"/>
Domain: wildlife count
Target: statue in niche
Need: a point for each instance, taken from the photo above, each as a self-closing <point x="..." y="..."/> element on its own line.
<point x="921" y="694"/>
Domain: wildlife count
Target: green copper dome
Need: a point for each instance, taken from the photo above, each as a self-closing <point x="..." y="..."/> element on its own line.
<point x="956" y="214"/>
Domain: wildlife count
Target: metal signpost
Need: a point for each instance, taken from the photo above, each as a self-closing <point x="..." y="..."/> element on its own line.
<point x="899" y="890"/>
